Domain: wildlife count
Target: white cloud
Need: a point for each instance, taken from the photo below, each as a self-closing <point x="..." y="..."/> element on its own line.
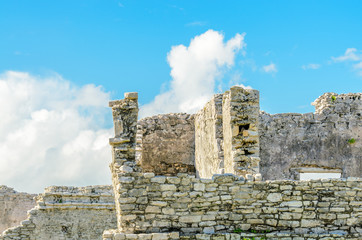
<point x="271" y="68"/>
<point x="197" y="23"/>
<point x="358" y="65"/>
<point x="351" y="54"/>
<point x="52" y="133"/>
<point x="311" y="66"/>
<point x="194" y="71"/>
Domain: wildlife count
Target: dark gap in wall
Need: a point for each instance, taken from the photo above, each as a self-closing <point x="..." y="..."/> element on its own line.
<point x="243" y="127"/>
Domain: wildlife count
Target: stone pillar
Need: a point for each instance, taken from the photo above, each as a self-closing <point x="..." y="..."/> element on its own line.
<point x="240" y="130"/>
<point x="125" y="113"/>
<point x="209" y="155"/>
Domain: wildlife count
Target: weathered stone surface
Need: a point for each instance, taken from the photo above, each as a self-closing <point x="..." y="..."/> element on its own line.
<point x="197" y="206"/>
<point x="13" y="207"/>
<point x="209" y="153"/>
<point x="185" y="207"/>
<point x="68" y="213"/>
<point x="166" y="144"/>
<point x="240" y="112"/>
<point x="289" y="141"/>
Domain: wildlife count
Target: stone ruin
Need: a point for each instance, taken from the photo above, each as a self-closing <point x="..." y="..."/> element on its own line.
<point x="230" y="171"/>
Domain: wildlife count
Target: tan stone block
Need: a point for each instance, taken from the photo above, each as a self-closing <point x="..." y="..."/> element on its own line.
<point x="131" y="95"/>
<point x="159" y="203"/>
<point x="174" y="235"/>
<point x="310" y="223"/>
<point x="274" y="197"/>
<point x="153" y="209"/>
<point x="168" y="211"/>
<point x="168" y="187"/>
<point x="159" y="236"/>
<point x="190" y="219"/>
<point x="199" y="187"/>
<point x="131" y="236"/>
<point x="255" y="221"/>
<point x="143" y="236"/>
<point x="119" y="236"/>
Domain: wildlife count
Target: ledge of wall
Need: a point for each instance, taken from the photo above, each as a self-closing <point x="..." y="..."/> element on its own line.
<point x="68" y="213"/>
<point x="14" y="206"/>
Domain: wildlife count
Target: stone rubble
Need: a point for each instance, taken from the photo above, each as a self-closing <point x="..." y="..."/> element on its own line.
<point x="68" y="213"/>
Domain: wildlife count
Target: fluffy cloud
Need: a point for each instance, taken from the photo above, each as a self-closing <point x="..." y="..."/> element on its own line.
<point x="194" y="71"/>
<point x="351" y="55"/>
<point x="271" y="68"/>
<point x="311" y="66"/>
<point x="52" y="133"/>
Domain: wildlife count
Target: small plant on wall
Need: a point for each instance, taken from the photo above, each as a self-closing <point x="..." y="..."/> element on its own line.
<point x="351" y="141"/>
<point x="333" y="98"/>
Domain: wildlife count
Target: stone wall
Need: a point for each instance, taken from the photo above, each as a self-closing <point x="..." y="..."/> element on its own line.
<point x="182" y="206"/>
<point x="240" y="111"/>
<point x="209" y="153"/>
<point x="178" y="205"/>
<point x="189" y="205"/>
<point x="330" y="139"/>
<point x="68" y="213"/>
<point x="111" y="235"/>
<point x="14" y="207"/>
<point x="166" y="144"/>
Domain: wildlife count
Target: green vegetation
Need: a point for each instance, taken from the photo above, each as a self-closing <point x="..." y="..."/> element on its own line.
<point x="238" y="230"/>
<point x="351" y="141"/>
<point x="333" y="98"/>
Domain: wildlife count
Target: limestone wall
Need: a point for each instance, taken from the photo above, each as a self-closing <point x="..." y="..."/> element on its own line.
<point x="240" y="111"/>
<point x="112" y="235"/>
<point x="166" y="144"/>
<point x="209" y="154"/>
<point x="171" y="207"/>
<point x="185" y="204"/>
<point x="14" y="207"/>
<point x="68" y="213"/>
<point x="329" y="139"/>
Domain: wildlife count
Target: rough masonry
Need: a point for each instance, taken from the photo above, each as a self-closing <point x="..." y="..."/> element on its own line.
<point x="184" y="206"/>
<point x="227" y="172"/>
<point x="329" y="139"/>
<point x="68" y="213"/>
<point x="13" y="207"/>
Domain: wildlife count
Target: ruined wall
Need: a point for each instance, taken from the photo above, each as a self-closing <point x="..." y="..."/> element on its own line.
<point x="166" y="144"/>
<point x="182" y="206"/>
<point x="111" y="235"/>
<point x="240" y="111"/>
<point x="68" y="213"/>
<point x="225" y="203"/>
<point x="330" y="139"/>
<point x="209" y="154"/>
<point x="14" y="207"/>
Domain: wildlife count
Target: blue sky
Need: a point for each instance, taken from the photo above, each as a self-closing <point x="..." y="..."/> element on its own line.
<point x="292" y="52"/>
<point x="122" y="45"/>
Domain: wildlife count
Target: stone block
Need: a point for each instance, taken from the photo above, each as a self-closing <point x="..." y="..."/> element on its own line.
<point x="190" y="219"/>
<point x="131" y="95"/>
<point x="153" y="209"/>
<point x="274" y="197"/>
<point x="199" y="187"/>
